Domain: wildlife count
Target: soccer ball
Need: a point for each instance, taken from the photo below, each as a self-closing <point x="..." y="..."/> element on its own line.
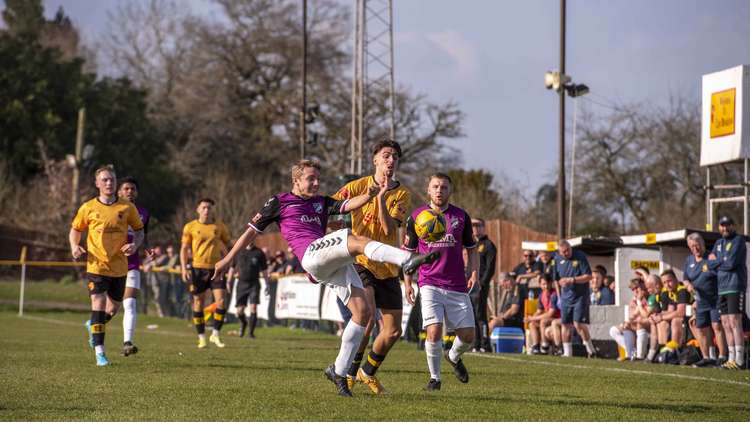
<point x="430" y="225"/>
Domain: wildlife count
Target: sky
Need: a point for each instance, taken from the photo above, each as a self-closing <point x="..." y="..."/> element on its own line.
<point x="490" y="57"/>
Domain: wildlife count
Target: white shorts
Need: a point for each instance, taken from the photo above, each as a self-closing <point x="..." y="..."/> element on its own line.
<point x="446" y="306"/>
<point x="133" y="279"/>
<point x="328" y="261"/>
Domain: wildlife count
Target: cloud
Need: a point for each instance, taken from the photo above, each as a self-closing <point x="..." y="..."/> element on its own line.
<point x="448" y="52"/>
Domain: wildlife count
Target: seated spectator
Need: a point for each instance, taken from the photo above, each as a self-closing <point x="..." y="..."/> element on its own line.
<point x="659" y="330"/>
<point x="632" y="334"/>
<point x="600" y="295"/>
<point x="609" y="282"/>
<point x="546" y="312"/>
<point x="528" y="269"/>
<point x="677" y="298"/>
<point x="642" y="273"/>
<point x="505" y="303"/>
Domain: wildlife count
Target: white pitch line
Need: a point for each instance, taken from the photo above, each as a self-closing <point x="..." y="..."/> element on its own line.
<point x="629" y="371"/>
<point x="116" y="328"/>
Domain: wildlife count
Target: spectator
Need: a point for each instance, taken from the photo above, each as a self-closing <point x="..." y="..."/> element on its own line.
<point x="702" y="282"/>
<point x="546" y="312"/>
<point x="632" y="334"/>
<point x="278" y="263"/>
<point x="600" y="295"/>
<point x="642" y="273"/>
<point x="677" y="299"/>
<point x="609" y="282"/>
<point x="159" y="280"/>
<point x="180" y="302"/>
<point x="293" y="265"/>
<point x="487" y="256"/>
<point x="505" y="303"/>
<point x="728" y="259"/>
<point x="528" y="269"/>
<point x="547" y="263"/>
<point x="659" y="329"/>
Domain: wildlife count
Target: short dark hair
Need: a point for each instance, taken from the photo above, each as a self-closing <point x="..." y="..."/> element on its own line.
<point x="208" y="200"/>
<point x="669" y="272"/>
<point x="386" y="143"/>
<point x="131" y="180"/>
<point x="600" y="269"/>
<point x="440" y="175"/>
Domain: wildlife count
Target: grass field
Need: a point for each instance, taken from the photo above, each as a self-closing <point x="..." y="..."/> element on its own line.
<point x="49" y="373"/>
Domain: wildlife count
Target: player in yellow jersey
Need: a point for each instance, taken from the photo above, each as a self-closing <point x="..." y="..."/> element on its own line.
<point x="208" y="240"/>
<point x="107" y="219"/>
<point x="379" y="220"/>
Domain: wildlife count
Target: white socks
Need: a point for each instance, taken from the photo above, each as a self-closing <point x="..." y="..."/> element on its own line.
<point x="641" y="343"/>
<point x="618" y="337"/>
<point x="731" y="352"/>
<point x="128" y="319"/>
<point x="651" y="354"/>
<point x="629" y="338"/>
<point x="381" y="252"/>
<point x="567" y="349"/>
<point x="712" y="352"/>
<point x="589" y="346"/>
<point x="458" y="349"/>
<point x="434" y="351"/>
<point x="99" y="349"/>
<point x="350" y="340"/>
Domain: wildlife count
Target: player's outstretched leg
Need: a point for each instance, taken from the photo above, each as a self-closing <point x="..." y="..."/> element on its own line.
<point x="380" y="252"/>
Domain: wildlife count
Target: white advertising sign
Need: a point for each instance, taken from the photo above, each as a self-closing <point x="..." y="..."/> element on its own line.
<point x="265" y="300"/>
<point x="724" y="137"/>
<point x="297" y="298"/>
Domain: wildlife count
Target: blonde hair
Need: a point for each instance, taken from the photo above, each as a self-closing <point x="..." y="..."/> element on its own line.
<point x="299" y="167"/>
<point x="108" y="168"/>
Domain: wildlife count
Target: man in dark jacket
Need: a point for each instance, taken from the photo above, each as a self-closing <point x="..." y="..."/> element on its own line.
<point x="487" y="256"/>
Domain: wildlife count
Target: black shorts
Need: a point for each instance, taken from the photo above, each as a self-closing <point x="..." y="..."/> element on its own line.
<point x="114" y="287"/>
<point x="732" y="303"/>
<point x="387" y="291"/>
<point x="200" y="281"/>
<point x="248" y="292"/>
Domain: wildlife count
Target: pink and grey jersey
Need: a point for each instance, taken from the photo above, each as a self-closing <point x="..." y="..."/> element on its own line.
<point x="134" y="261"/>
<point x="448" y="271"/>
<point x="302" y="221"/>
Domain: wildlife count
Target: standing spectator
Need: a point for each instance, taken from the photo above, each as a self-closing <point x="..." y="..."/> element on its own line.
<point x="487" y="257"/>
<point x="159" y="280"/>
<point x="703" y="282"/>
<point x="600" y="295"/>
<point x="505" y="303"/>
<point x="728" y="259"/>
<point x="573" y="273"/>
<point x="642" y="273"/>
<point x="528" y="269"/>
<point x="547" y="263"/>
<point x="545" y="313"/>
<point x="293" y="265"/>
<point x="278" y="263"/>
<point x="179" y="300"/>
<point x="609" y="282"/>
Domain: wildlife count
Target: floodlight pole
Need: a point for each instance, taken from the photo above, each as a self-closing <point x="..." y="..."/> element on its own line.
<point x="303" y="112"/>
<point x="561" y="158"/>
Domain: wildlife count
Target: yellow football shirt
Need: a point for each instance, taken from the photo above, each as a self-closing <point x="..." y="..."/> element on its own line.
<point x="108" y="232"/>
<point x="365" y="220"/>
<point x="206" y="241"/>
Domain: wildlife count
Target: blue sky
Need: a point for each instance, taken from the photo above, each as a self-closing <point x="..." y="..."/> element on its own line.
<point x="490" y="56"/>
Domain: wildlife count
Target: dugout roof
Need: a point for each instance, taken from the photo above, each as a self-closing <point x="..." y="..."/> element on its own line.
<point x="598" y="246"/>
<point x="674" y="238"/>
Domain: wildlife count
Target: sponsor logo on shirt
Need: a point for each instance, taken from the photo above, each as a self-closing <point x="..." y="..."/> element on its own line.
<point x="447" y="241"/>
<point x="705" y="268"/>
<point x="318" y="207"/>
<point x="309" y="219"/>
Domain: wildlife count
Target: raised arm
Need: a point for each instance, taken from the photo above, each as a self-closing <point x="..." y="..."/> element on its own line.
<point x="239" y="245"/>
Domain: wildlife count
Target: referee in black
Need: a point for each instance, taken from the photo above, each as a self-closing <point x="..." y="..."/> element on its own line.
<point x="487" y="256"/>
<point x="249" y="263"/>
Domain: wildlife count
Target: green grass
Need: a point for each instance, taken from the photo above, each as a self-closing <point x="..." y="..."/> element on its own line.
<point x="48" y="372"/>
<point x="44" y="291"/>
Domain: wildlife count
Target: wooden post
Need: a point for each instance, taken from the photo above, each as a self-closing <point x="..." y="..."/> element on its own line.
<point x="75" y="198"/>
<point x="23" y="281"/>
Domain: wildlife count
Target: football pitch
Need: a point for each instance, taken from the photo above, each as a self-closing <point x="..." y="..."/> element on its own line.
<point x="48" y="372"/>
